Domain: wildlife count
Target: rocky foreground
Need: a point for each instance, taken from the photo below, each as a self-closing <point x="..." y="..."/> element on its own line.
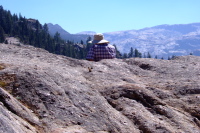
<point x="46" y="93"/>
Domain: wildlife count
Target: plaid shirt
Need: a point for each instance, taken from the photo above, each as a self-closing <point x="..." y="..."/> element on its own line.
<point x="101" y="51"/>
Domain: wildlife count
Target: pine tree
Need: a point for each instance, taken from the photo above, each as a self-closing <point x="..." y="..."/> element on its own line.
<point x="2" y="36"/>
<point x="45" y="28"/>
<point x="57" y="37"/>
<point x="68" y="49"/>
<point x="64" y="50"/>
<point x="125" y="55"/>
<point x="144" y="55"/>
<point x="8" y="23"/>
<point x="118" y="54"/>
<point x="58" y="48"/>
<point x="137" y="53"/>
<point x="49" y="45"/>
<point x="131" y="53"/>
<point x="148" y="55"/>
<point x="72" y="51"/>
<point x="15" y="18"/>
<point x="173" y="57"/>
<point x="81" y="42"/>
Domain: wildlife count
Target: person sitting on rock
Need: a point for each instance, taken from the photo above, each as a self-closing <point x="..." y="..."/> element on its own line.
<point x="101" y="49"/>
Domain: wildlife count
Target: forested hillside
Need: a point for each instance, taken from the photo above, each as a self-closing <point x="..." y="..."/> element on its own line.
<point x="31" y="32"/>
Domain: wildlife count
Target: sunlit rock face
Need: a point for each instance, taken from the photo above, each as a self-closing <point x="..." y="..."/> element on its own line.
<point x="42" y="92"/>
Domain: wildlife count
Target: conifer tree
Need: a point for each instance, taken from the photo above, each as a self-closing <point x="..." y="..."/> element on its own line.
<point x="88" y="45"/>
<point x="148" y="55"/>
<point x="137" y="53"/>
<point x="131" y="53"/>
<point x="57" y="37"/>
<point x="81" y="42"/>
<point x="45" y="28"/>
<point x="144" y="55"/>
<point x="64" y="51"/>
<point x="125" y="55"/>
<point x="2" y="36"/>
<point x="118" y="54"/>
<point x="8" y="23"/>
<point x="173" y="56"/>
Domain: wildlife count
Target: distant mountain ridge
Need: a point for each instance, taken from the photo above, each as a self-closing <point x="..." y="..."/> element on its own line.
<point x="66" y="35"/>
<point x="161" y="40"/>
<point x="57" y="28"/>
<point x="87" y="32"/>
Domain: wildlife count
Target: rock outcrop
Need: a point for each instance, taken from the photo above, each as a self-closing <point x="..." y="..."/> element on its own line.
<point x="41" y="93"/>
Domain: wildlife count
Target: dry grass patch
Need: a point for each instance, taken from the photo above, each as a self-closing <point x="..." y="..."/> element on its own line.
<point x="2" y="66"/>
<point x="3" y="84"/>
<point x="7" y="80"/>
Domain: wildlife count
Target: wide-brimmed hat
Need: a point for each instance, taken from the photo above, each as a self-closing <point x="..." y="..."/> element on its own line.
<point x="98" y="39"/>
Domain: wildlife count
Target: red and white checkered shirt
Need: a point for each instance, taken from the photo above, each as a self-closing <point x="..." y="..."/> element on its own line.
<point x="101" y="51"/>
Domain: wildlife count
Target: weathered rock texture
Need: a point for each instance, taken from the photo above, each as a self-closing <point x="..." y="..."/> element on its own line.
<point x="42" y="93"/>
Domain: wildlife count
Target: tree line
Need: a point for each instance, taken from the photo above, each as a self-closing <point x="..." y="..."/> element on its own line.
<point x="132" y="53"/>
<point x="31" y="32"/>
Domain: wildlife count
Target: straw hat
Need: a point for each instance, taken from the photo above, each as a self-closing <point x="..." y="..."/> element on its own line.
<point x="98" y="39"/>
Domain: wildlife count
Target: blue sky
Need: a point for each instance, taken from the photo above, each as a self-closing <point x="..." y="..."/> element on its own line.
<point x="106" y="15"/>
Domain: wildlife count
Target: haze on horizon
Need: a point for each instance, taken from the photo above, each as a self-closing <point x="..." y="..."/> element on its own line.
<point x="107" y="16"/>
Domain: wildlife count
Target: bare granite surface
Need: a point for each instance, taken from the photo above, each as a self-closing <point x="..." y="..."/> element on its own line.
<point x="45" y="93"/>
